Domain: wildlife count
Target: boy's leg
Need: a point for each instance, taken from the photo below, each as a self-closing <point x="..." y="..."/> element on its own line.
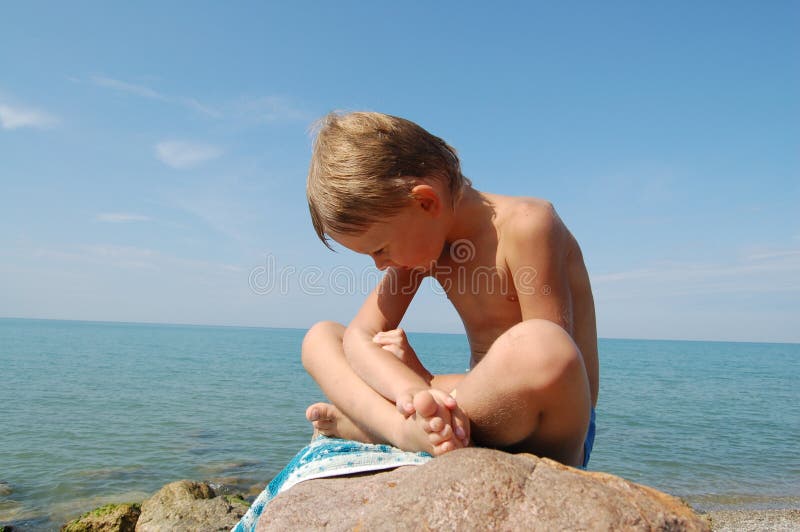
<point x="530" y="393"/>
<point x="358" y="411"/>
<point x="322" y="352"/>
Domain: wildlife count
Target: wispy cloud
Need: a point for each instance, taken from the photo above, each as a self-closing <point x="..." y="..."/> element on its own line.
<point x="147" y="92"/>
<point x="217" y="209"/>
<point x="182" y="154"/>
<point x="269" y="109"/>
<point x="117" y="256"/>
<point x="765" y="255"/>
<point x="121" y="217"/>
<point x="131" y="88"/>
<point x="259" y="110"/>
<point x="16" y="117"/>
<point x="130" y="257"/>
<point x="157" y="260"/>
<point x="764" y="271"/>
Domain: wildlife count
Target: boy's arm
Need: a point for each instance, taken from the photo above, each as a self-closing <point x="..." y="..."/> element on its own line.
<point x="536" y="257"/>
<point x="382" y="311"/>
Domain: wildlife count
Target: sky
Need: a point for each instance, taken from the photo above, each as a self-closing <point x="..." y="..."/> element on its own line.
<point x="153" y="155"/>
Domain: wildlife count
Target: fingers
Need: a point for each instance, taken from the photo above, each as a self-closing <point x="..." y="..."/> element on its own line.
<point x="461" y="427"/>
<point x="391" y="343"/>
<point x="395" y="336"/>
<point x="394" y="349"/>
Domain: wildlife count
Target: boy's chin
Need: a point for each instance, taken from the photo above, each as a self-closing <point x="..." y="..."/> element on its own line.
<point x="423" y="268"/>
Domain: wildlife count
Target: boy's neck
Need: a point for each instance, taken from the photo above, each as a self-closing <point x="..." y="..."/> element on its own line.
<point x="472" y="215"/>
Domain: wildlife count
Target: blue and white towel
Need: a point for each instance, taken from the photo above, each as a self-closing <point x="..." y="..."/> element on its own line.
<point x="328" y="457"/>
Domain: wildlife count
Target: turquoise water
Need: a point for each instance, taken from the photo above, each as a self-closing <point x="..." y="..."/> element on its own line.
<point x="107" y="412"/>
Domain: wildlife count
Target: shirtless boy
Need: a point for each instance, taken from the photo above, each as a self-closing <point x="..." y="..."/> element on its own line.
<point x="384" y="187"/>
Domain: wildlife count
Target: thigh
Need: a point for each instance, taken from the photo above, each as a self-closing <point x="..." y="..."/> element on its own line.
<point x="447" y="382"/>
<point x="530" y="392"/>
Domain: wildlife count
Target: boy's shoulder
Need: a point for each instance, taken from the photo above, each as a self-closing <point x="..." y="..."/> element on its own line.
<point x="521" y="218"/>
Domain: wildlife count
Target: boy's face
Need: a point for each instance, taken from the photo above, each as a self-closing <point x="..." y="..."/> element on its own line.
<point x="414" y="238"/>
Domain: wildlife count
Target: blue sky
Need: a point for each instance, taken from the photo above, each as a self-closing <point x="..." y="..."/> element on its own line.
<point x="153" y="155"/>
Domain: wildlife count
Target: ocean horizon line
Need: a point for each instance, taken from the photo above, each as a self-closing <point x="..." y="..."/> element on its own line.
<point x="268" y="327"/>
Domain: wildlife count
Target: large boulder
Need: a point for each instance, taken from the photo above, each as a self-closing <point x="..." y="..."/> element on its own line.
<point x="189" y="506"/>
<point x="478" y="489"/>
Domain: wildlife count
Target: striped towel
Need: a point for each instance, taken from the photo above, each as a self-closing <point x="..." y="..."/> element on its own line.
<point x="328" y="457"/>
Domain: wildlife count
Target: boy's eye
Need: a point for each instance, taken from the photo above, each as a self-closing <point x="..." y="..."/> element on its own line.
<point x="379" y="251"/>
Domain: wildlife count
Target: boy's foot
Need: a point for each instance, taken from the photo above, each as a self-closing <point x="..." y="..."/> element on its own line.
<point x="429" y="428"/>
<point x="330" y="421"/>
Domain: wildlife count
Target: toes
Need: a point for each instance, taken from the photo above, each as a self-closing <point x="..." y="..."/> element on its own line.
<point x="435" y="425"/>
<point x="445" y="447"/>
<point x="320" y="411"/>
<point x="321" y="424"/>
<point x="438" y="437"/>
<point x="425" y="404"/>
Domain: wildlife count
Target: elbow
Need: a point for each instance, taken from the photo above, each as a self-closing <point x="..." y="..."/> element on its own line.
<point x="351" y="337"/>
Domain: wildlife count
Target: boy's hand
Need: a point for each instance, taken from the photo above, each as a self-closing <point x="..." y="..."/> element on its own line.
<point x="395" y="342"/>
<point x="461" y="426"/>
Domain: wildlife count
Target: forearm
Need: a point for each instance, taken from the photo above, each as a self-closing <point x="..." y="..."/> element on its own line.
<point x="379" y="368"/>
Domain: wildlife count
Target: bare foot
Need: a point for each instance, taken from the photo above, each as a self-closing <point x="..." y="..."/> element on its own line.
<point x="429" y="429"/>
<point x="330" y="421"/>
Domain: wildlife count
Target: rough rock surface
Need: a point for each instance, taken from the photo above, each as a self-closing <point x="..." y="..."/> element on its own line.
<point x="108" y="518"/>
<point x="478" y="489"/>
<point x="189" y="506"/>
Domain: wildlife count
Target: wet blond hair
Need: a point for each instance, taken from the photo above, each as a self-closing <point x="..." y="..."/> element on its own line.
<point x="364" y="165"/>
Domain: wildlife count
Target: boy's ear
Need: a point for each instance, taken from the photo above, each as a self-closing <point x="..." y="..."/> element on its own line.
<point x="427" y="198"/>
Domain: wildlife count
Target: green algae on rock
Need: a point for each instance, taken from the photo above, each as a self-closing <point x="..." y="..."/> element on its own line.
<point x="107" y="518"/>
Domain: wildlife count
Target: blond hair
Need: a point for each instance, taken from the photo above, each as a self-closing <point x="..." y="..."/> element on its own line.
<point x="364" y="165"/>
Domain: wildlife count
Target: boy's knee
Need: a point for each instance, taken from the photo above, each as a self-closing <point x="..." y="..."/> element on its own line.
<point x="543" y="350"/>
<point x="318" y="336"/>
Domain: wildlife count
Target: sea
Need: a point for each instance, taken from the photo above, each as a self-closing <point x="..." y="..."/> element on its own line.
<point x="95" y="412"/>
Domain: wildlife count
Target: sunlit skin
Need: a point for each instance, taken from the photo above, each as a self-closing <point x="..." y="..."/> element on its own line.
<point x="534" y="368"/>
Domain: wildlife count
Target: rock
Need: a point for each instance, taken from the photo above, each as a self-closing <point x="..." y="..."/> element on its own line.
<point x="479" y="489"/>
<point x="108" y="518"/>
<point x="5" y="489"/>
<point x="190" y="506"/>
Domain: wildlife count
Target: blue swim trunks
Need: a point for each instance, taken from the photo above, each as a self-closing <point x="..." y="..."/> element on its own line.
<point x="589" y="443"/>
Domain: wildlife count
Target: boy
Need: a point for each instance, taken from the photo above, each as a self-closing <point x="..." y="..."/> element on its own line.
<point x="385" y="187"/>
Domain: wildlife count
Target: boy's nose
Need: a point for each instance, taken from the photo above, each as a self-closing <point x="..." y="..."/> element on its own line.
<point x="382" y="264"/>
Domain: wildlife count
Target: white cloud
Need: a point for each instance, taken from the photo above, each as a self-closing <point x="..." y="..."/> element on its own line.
<point x="19" y="117"/>
<point x="121" y="217"/>
<point x="182" y="154"/>
<point x="138" y="90"/>
<point x="147" y="92"/>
